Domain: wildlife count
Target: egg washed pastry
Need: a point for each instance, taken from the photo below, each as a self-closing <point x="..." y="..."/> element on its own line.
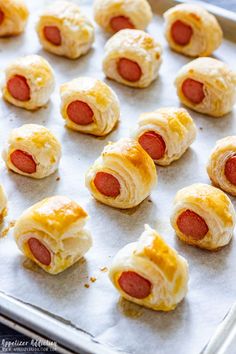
<point x="115" y="15"/>
<point x="3" y="203"/>
<point x="203" y="216"/>
<point x="150" y="273"/>
<point x="13" y="17"/>
<point x="207" y="86"/>
<point x="192" y="30"/>
<point x="89" y="106"/>
<point x="123" y="176"/>
<point x="29" y="82"/>
<point x="63" y="30"/>
<point x="32" y="150"/>
<point x="221" y="166"/>
<point x="165" y="134"/>
<point x="132" y="57"/>
<point x="52" y="233"/>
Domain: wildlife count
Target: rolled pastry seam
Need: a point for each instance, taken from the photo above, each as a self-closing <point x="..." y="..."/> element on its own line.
<point x="166" y="134"/>
<point x="208" y="86"/>
<point x="114" y="16"/>
<point x="33" y="151"/>
<point x="13" y="17"/>
<point x="52" y="233"/>
<point x="192" y="30"/>
<point x="63" y="30"/>
<point x="150" y="273"/>
<point x="29" y="82"/>
<point x="89" y="106"/>
<point x="221" y="166"/>
<point x="123" y="176"/>
<point x="133" y="58"/>
<point x="3" y="203"/>
<point x="203" y="216"/>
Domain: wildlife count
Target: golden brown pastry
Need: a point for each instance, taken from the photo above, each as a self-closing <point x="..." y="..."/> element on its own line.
<point x="33" y="151"/>
<point x="203" y="216"/>
<point x="3" y="203"/>
<point x="63" y="30"/>
<point x="150" y="273"/>
<point x="133" y="58"/>
<point x="89" y="106"/>
<point x="13" y="17"/>
<point x="29" y="82"/>
<point x="115" y="15"/>
<point x="123" y="176"/>
<point x="52" y="233"/>
<point x="221" y="166"/>
<point x="165" y="134"/>
<point x="207" y="86"/>
<point x="192" y="30"/>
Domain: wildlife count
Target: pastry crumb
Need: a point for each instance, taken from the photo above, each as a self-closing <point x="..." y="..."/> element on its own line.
<point x="93" y="279"/>
<point x="58" y="178"/>
<point x="86" y="286"/>
<point x="104" y="269"/>
<point x="7" y="228"/>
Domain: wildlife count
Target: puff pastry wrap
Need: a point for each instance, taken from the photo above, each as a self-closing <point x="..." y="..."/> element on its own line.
<point x="213" y="206"/>
<point x="219" y="86"/>
<point x="137" y="46"/>
<point x="151" y="258"/>
<point x="202" y="38"/>
<point x="3" y="203"/>
<point x="76" y="32"/>
<point x="40" y="81"/>
<point x="221" y="164"/>
<point x="100" y="98"/>
<point x="37" y="142"/>
<point x="132" y="168"/>
<point x="176" y="129"/>
<point x="57" y="223"/>
<point x="137" y="12"/>
<point x="13" y="17"/>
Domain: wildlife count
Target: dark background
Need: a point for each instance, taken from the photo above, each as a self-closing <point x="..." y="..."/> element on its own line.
<point x="8" y="334"/>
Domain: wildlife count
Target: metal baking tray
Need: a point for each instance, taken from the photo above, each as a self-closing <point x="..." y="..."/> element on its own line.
<point x="93" y="319"/>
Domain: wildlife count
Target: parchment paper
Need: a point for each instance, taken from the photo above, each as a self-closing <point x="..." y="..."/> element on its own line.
<point x="98" y="309"/>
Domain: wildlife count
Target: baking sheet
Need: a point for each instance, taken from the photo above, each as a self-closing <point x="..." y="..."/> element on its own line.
<point x="97" y="309"/>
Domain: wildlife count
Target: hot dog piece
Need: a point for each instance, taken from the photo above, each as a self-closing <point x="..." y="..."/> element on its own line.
<point x="52" y="34"/>
<point x="39" y="251"/>
<point x="230" y="169"/>
<point x="129" y="70"/>
<point x="192" y="225"/>
<point x="80" y="113"/>
<point x="134" y="285"/>
<point x="107" y="184"/>
<point x="23" y="161"/>
<point x="19" y="88"/>
<point x="153" y="144"/>
<point x="1" y="16"/>
<point x="181" y="33"/>
<point x="193" y="91"/>
<point x="120" y="22"/>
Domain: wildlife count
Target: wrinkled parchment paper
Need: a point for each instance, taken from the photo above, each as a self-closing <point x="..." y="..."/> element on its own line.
<point x="97" y="309"/>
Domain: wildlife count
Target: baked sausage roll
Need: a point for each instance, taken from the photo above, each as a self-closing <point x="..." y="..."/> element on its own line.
<point x="207" y="86"/>
<point x="165" y="134"/>
<point x="203" y="216"/>
<point x="33" y="151"/>
<point x="52" y="233"/>
<point x="113" y="15"/>
<point x="132" y="57"/>
<point x="123" y="176"/>
<point x="63" y="30"/>
<point x="3" y="203"/>
<point x="192" y="30"/>
<point x="29" y="82"/>
<point x="89" y="106"/>
<point x="221" y="166"/>
<point x="150" y="273"/>
<point x="13" y="17"/>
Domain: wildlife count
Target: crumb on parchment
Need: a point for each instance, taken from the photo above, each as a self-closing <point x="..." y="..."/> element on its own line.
<point x="6" y="229"/>
<point x="103" y="269"/>
<point x="93" y="279"/>
<point x="86" y="285"/>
